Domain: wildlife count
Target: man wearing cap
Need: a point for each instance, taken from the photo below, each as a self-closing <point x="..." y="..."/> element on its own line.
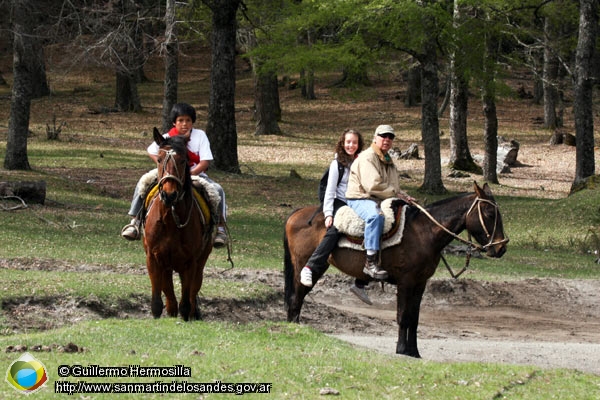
<point x="374" y="178"/>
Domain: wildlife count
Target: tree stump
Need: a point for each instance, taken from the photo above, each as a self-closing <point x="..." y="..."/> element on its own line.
<point x="30" y="192"/>
<point x="412" y="153"/>
<point x="562" y="138"/>
<point x="506" y="155"/>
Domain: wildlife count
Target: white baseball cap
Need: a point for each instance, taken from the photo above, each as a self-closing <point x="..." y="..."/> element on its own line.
<point x="382" y="129"/>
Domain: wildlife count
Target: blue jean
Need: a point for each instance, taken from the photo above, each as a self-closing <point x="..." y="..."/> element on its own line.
<point x="370" y="212"/>
<point x="136" y="204"/>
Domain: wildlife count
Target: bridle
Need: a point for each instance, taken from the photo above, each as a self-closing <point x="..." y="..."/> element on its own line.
<point x="170" y="155"/>
<point x="470" y="243"/>
<point x="475" y="205"/>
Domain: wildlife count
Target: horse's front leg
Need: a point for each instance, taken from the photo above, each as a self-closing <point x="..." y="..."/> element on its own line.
<point x="408" y="309"/>
<point x="196" y="285"/>
<point x="186" y="303"/>
<point x="167" y="288"/>
<point x="156" y="303"/>
<point x="191" y="282"/>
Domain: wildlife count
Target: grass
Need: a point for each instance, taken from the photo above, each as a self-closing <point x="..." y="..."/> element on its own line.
<point x="297" y="360"/>
<point x="80" y="284"/>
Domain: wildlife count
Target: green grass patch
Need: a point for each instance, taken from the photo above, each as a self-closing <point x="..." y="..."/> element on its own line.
<point x="298" y="361"/>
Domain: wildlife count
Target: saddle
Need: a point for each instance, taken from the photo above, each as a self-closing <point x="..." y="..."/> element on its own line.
<point x="148" y="186"/>
<point x="352" y="226"/>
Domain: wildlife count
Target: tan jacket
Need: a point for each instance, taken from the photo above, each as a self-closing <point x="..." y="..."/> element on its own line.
<point x="373" y="176"/>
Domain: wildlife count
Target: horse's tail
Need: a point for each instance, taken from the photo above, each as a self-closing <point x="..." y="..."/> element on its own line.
<point x="288" y="270"/>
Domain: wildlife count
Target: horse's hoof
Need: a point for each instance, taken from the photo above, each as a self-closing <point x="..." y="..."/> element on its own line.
<point x="404" y="352"/>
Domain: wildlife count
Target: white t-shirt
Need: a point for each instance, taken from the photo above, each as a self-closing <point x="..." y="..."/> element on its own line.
<point x="198" y="144"/>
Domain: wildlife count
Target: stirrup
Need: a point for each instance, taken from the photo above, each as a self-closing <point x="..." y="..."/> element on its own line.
<point x="376" y="273"/>
<point x="221" y="240"/>
<point x="373" y="269"/>
<point x="136" y="232"/>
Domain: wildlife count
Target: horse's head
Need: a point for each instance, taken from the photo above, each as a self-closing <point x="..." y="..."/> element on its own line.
<point x="484" y="222"/>
<point x="173" y="168"/>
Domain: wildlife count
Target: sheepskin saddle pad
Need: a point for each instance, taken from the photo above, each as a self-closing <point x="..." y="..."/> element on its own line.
<point x="147" y="186"/>
<point x="353" y="227"/>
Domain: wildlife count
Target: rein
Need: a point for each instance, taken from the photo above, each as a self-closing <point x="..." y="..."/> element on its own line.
<point x="477" y="202"/>
<point x="471" y="245"/>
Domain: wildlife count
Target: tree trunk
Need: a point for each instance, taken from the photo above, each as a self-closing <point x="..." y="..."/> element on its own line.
<point x="446" y="94"/>
<point x="171" y="65"/>
<point x="307" y="75"/>
<point x="20" y="103"/>
<point x="413" y="86"/>
<point x="266" y="102"/>
<point x="307" y="84"/>
<point x="550" y="76"/>
<point x="582" y="106"/>
<point x="430" y="128"/>
<point x="538" y="88"/>
<point x="139" y="56"/>
<point x="490" y="132"/>
<point x="39" y="81"/>
<point x="490" y="137"/>
<point x="127" y="98"/>
<point x="460" y="155"/>
<point x="221" y="128"/>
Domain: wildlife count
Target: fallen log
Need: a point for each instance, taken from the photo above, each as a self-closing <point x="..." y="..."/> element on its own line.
<point x="29" y="191"/>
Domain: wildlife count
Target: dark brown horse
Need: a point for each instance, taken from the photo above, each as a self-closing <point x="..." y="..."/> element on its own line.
<point x="177" y="235"/>
<point x="409" y="264"/>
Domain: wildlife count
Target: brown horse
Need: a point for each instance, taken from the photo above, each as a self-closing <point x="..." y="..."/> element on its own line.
<point x="177" y="236"/>
<point x="409" y="264"/>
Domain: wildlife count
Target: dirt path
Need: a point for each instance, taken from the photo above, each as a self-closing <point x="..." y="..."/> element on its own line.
<point x="549" y="323"/>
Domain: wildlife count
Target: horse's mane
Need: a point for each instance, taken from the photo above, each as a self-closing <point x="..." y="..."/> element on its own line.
<point x="443" y="202"/>
<point x="413" y="212"/>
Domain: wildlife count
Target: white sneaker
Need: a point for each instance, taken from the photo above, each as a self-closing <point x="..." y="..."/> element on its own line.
<point x="306" y="277"/>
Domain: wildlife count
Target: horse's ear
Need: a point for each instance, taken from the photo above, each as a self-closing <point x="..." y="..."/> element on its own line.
<point x="483" y="192"/>
<point x="187" y="136"/>
<point x="487" y="190"/>
<point x="158" y="138"/>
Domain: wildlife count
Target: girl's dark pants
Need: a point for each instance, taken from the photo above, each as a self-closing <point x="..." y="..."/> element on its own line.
<point x="318" y="260"/>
